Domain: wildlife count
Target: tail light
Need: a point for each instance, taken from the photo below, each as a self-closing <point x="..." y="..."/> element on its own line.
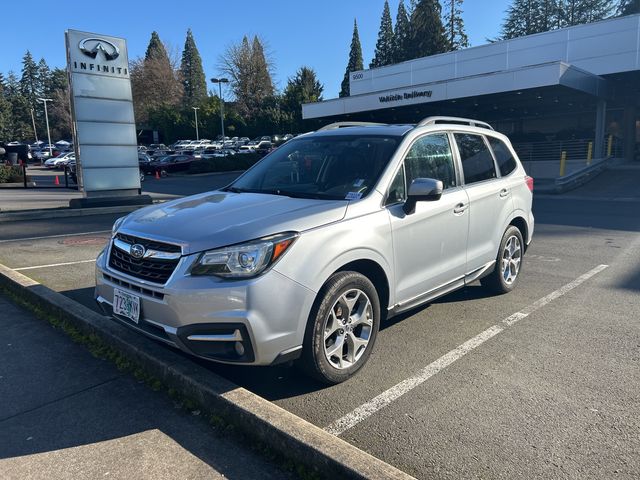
<point x="529" y="181"/>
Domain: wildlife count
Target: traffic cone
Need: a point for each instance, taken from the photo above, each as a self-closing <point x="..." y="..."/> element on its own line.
<point x="56" y="181"/>
<point x="157" y="175"/>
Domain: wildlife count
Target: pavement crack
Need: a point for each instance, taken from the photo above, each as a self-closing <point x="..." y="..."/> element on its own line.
<point x="65" y="397"/>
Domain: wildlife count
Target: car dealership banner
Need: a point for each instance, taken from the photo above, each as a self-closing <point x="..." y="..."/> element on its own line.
<point x="102" y="112"/>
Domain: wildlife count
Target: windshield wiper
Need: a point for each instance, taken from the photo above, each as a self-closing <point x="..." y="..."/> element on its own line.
<point x="233" y="190"/>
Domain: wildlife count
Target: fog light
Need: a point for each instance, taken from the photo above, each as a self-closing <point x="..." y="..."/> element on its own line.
<point x="239" y="348"/>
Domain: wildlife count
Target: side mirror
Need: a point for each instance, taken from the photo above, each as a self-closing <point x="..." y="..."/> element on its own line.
<point x="422" y="190"/>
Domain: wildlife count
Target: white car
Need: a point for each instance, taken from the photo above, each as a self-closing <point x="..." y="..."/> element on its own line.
<point x="60" y="161"/>
<point x="306" y="253"/>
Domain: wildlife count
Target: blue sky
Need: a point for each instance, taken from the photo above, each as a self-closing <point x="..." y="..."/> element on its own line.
<point x="298" y="32"/>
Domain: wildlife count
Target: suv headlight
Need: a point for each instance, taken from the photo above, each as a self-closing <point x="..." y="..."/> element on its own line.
<point x="116" y="225"/>
<point x="244" y="260"/>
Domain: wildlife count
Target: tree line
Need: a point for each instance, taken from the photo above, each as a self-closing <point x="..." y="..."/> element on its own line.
<point x="20" y="108"/>
<point x="167" y="86"/>
<point x="429" y="27"/>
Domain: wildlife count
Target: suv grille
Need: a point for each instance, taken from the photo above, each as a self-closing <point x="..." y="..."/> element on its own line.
<point x="149" y="269"/>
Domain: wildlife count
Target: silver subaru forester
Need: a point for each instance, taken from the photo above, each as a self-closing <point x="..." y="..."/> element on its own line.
<point x="303" y="255"/>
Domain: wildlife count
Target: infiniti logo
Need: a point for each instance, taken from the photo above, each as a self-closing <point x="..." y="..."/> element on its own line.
<point x="91" y="46"/>
<point x="137" y="251"/>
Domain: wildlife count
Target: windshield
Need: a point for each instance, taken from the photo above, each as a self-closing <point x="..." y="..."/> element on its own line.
<point x="328" y="167"/>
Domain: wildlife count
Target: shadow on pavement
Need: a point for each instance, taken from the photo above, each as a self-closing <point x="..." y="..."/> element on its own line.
<point x="588" y="213"/>
<point x="54" y="395"/>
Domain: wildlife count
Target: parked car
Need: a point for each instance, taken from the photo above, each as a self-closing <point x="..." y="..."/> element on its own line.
<point x="168" y="164"/>
<point x="303" y="256"/>
<point x="60" y="161"/>
<point x="227" y="152"/>
<point x="73" y="175"/>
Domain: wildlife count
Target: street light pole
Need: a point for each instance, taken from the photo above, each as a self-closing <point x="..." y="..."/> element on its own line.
<point x="33" y="120"/>
<point x="195" y="112"/>
<point x="220" y="81"/>
<point x="46" y="117"/>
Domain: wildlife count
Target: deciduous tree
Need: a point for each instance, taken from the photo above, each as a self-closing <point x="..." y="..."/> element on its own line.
<point x="249" y="70"/>
<point x="154" y="80"/>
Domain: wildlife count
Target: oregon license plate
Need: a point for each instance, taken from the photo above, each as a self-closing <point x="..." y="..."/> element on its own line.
<point x="126" y="304"/>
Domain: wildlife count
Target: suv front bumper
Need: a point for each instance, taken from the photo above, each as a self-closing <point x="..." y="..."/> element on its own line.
<point x="259" y="321"/>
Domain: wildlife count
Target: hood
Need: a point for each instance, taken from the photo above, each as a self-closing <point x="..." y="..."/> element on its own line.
<point x="217" y="219"/>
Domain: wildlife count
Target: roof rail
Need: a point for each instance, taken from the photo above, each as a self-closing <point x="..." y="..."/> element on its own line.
<point x="456" y="120"/>
<point x="333" y="126"/>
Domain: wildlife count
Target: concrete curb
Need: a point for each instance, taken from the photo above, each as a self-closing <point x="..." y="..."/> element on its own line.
<point x="46" y="213"/>
<point x="17" y="185"/>
<point x="284" y="432"/>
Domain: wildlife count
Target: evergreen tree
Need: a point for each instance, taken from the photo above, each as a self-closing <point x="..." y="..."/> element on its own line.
<point x="304" y="87"/>
<point x="454" y="25"/>
<point x="44" y="72"/>
<point x="29" y="80"/>
<point x="156" y="49"/>
<point x="628" y="7"/>
<point x="154" y="81"/>
<point x="262" y="82"/>
<point x="355" y="60"/>
<point x="5" y="113"/>
<point x="57" y="88"/>
<point x="427" y="32"/>
<point x="401" y="35"/>
<point x="526" y="17"/>
<point x="384" y="46"/>
<point x="577" y="12"/>
<point x="20" y="118"/>
<point x="192" y="74"/>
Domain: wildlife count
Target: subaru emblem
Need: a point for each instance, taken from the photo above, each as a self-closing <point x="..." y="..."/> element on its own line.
<point x="136" y="251"/>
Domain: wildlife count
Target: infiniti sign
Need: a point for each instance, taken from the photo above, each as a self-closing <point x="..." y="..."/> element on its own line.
<point x="91" y="46"/>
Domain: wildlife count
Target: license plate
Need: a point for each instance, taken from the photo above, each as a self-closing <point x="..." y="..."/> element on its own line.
<point x="126" y="304"/>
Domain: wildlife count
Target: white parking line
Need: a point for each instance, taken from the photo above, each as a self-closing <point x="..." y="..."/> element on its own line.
<point x="53" y="265"/>
<point x="385" y="398"/>
<point x="54" y="236"/>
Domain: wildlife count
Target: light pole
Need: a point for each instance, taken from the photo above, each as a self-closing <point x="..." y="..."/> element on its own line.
<point x="195" y="112"/>
<point x="220" y="81"/>
<point x="46" y="117"/>
<point x="35" y="133"/>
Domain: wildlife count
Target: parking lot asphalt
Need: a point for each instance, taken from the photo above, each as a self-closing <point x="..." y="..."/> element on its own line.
<point x="458" y="388"/>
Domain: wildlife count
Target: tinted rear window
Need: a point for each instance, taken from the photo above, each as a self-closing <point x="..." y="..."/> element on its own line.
<point x="477" y="161"/>
<point x="506" y="162"/>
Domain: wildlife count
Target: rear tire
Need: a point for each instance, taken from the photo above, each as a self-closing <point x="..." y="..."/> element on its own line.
<point x="506" y="272"/>
<point x="341" y="329"/>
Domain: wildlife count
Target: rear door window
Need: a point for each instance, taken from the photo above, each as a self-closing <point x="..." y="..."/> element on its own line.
<point x="477" y="161"/>
<point x="504" y="158"/>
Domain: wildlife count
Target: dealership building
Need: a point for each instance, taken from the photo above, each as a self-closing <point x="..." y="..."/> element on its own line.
<point x="574" y="90"/>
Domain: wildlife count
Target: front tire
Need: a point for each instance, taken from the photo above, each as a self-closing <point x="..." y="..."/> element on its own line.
<point x="342" y="328"/>
<point x="506" y="273"/>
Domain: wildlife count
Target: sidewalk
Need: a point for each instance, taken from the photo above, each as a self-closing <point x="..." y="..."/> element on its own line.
<point x="66" y="414"/>
<point x="174" y="186"/>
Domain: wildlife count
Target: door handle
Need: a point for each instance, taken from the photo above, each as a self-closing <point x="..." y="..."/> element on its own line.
<point x="460" y="208"/>
<point x="504" y="193"/>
